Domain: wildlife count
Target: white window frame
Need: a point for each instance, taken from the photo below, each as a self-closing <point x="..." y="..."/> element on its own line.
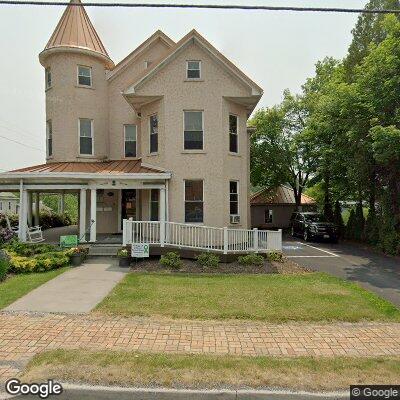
<point x="136" y="147"/>
<point x="47" y="73"/>
<point x="237" y="134"/>
<point x="77" y="76"/>
<point x="184" y="201"/>
<point x="202" y="125"/>
<point x="238" y="196"/>
<point x="270" y="214"/>
<point x="158" y="137"/>
<point x="158" y="204"/>
<point x="49" y="123"/>
<point x="187" y="70"/>
<point x="79" y="137"/>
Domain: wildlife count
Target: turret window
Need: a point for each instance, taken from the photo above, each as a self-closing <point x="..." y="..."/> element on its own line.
<point x="153" y="133"/>
<point x="85" y="136"/>
<point x="49" y="138"/>
<point x="48" y="78"/>
<point x="84" y="76"/>
<point x="130" y="140"/>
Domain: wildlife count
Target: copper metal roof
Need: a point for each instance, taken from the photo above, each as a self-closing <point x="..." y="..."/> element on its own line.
<point x="282" y="195"/>
<point x="75" y="30"/>
<point x="104" y="167"/>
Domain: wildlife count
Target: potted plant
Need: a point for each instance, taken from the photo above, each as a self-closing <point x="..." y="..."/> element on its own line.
<point x="124" y="259"/>
<point x="77" y="256"/>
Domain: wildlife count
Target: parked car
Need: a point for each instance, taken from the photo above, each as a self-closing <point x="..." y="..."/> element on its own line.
<point x="312" y="225"/>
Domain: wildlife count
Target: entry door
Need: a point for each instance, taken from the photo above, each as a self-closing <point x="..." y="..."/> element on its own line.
<point x="128" y="204"/>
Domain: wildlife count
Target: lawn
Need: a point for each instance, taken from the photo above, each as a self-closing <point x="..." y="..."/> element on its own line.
<point x="17" y="286"/>
<point x="271" y="297"/>
<point x="210" y="371"/>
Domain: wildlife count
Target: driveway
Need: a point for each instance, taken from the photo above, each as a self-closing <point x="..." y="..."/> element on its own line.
<point x="373" y="271"/>
<point x="78" y="290"/>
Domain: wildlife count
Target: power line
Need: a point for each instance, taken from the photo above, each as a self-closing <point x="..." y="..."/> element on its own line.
<point x="204" y="6"/>
<point x="20" y="143"/>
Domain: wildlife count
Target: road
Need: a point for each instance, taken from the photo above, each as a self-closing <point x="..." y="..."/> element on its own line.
<point x="373" y="271"/>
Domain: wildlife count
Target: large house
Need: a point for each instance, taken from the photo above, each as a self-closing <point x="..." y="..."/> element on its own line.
<point x="161" y="135"/>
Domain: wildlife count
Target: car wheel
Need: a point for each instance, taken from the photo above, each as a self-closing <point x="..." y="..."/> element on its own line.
<point x="293" y="232"/>
<point x="305" y="235"/>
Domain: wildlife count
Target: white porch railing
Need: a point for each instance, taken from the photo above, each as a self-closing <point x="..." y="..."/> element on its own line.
<point x="200" y="237"/>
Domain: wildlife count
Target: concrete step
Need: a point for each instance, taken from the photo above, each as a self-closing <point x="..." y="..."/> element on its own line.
<point x="103" y="250"/>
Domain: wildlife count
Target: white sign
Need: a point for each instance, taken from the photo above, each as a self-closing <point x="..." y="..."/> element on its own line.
<point x="140" y="250"/>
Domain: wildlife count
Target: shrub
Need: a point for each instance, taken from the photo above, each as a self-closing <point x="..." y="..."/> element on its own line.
<point x="251" y="259"/>
<point x="13" y="218"/>
<point x="29" y="249"/>
<point x="39" y="262"/>
<point x="208" y="260"/>
<point x="4" y="266"/>
<point x="122" y="253"/>
<point x="275" y="256"/>
<point x="53" y="220"/>
<point x="171" y="260"/>
<point x="6" y="235"/>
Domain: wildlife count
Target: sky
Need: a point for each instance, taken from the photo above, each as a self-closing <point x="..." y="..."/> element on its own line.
<point x="278" y="50"/>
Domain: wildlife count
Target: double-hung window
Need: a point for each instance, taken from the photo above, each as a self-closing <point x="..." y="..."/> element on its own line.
<point x="233" y="133"/>
<point x="193" y="130"/>
<point x="130" y="134"/>
<point x="84" y="76"/>
<point x="153" y="133"/>
<point x="48" y="77"/>
<point x="193" y="69"/>
<point x="85" y="136"/>
<point x="194" y="207"/>
<point x="234" y="198"/>
<point x="49" y="138"/>
<point x="154" y="204"/>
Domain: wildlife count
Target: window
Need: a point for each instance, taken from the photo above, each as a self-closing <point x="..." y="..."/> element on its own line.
<point x="49" y="137"/>
<point x="147" y="64"/>
<point x="194" y="201"/>
<point x="233" y="198"/>
<point x="9" y="205"/>
<point x="1" y="205"/>
<point x="193" y="69"/>
<point x="85" y="136"/>
<point x="193" y="136"/>
<point x="17" y="209"/>
<point x="233" y="133"/>
<point x="268" y="216"/>
<point x="154" y="204"/>
<point x="84" y="76"/>
<point x="130" y="140"/>
<point x="153" y="133"/>
<point x="48" y="78"/>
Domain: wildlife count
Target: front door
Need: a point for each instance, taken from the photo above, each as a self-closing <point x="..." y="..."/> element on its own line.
<point x="128" y="204"/>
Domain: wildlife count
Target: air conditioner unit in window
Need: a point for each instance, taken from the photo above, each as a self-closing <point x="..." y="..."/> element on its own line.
<point x="235" y="219"/>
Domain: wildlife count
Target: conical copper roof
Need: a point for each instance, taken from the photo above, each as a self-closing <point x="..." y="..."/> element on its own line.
<point x="74" y="30"/>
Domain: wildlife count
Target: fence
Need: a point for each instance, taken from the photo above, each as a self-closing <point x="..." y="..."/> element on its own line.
<point x="200" y="237"/>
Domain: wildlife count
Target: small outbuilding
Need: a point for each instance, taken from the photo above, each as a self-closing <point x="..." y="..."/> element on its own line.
<point x="273" y="208"/>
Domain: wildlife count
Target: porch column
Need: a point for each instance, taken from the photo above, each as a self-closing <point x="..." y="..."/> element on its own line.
<point x="162" y="217"/>
<point x="21" y="209"/>
<point x="82" y="216"/>
<point x="23" y="227"/>
<point x="29" y="210"/>
<point x="61" y="207"/>
<point x="93" y="212"/>
<point x="37" y="209"/>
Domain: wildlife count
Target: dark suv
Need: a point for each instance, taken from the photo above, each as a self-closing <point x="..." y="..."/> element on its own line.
<point x="311" y="225"/>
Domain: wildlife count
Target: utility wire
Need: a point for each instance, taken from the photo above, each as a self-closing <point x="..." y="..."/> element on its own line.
<point x="204" y="6"/>
<point x="20" y="143"/>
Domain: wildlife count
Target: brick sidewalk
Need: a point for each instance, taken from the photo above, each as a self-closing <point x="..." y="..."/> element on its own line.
<point x="23" y="335"/>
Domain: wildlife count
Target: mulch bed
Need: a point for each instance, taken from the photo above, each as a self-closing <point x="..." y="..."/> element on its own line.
<point x="190" y="266"/>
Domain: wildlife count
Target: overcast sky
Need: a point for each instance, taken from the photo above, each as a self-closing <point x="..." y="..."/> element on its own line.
<point x="277" y="50"/>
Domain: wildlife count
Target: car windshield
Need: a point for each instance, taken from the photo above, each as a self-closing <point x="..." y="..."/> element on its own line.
<point x="314" y="217"/>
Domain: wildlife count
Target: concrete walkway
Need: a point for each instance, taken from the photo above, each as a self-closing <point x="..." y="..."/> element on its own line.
<point x="78" y="290"/>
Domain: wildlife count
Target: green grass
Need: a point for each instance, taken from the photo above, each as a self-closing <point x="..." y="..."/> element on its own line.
<point x="17" y="286"/>
<point x="274" y="298"/>
<point x="207" y="371"/>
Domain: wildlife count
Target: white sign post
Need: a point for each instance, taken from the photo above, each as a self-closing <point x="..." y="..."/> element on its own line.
<point x="140" y="250"/>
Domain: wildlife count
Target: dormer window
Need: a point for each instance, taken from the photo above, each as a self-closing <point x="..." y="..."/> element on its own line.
<point x="84" y="76"/>
<point x="48" y="78"/>
<point x="193" y="69"/>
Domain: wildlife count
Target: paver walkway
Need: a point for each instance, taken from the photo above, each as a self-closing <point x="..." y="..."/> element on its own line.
<point x="78" y="290"/>
<point x="23" y="335"/>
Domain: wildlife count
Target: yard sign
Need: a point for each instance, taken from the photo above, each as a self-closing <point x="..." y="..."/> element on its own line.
<point x="140" y="250"/>
<point x="69" y="241"/>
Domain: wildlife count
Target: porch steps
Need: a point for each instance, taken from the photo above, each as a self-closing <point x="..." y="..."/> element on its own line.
<point x="104" y="250"/>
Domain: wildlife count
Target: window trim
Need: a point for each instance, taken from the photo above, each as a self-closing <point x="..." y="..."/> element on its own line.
<point x="49" y="122"/>
<point x="47" y="72"/>
<point x="79" y="136"/>
<point x="187" y="70"/>
<point x="237" y="193"/>
<point x="153" y="152"/>
<point x="136" y="141"/>
<point x="184" y="201"/>
<point x="77" y="76"/>
<point x="271" y="214"/>
<point x="158" y="203"/>
<point x="183" y="133"/>
<point x="237" y="135"/>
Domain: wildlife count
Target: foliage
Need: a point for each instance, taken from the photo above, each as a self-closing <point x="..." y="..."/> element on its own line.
<point x="6" y="235"/>
<point x="251" y="259"/>
<point x="208" y="260"/>
<point x="171" y="260"/>
<point x="70" y="205"/>
<point x="122" y="253"/>
<point x="50" y="220"/>
<point x="13" y="218"/>
<point x="29" y="249"/>
<point x="81" y="250"/>
<point x="275" y="256"/>
<point x="338" y="218"/>
<point x="4" y="267"/>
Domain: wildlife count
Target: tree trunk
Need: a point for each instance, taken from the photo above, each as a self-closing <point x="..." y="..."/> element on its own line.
<point x="328" y="208"/>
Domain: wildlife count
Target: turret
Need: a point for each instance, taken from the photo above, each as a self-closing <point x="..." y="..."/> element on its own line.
<point x="75" y="63"/>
